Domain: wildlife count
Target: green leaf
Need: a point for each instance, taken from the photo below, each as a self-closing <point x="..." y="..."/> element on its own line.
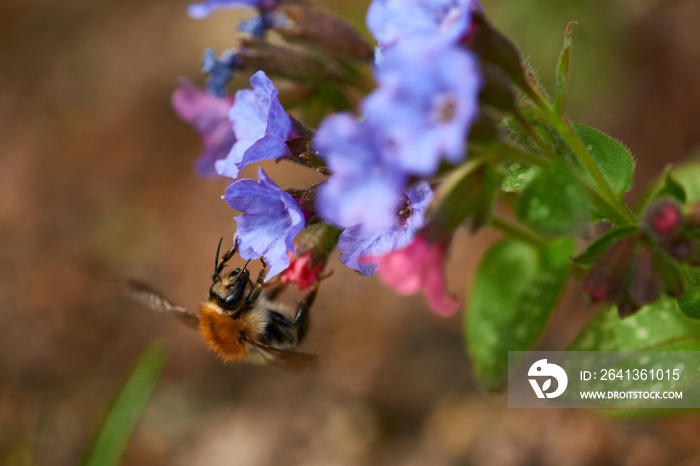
<point x="657" y="326"/>
<point x="613" y="158"/>
<point x="563" y="70"/>
<point x="689" y="303"/>
<point x="671" y="188"/>
<point x="599" y="246"/>
<point x="668" y="185"/>
<point x="555" y="203"/>
<point x="688" y="176"/>
<point x="516" y="135"/>
<point x="518" y="175"/>
<point x="121" y="419"/>
<point x="514" y="292"/>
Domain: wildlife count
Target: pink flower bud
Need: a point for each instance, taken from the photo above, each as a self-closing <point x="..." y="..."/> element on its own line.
<point x="420" y="265"/>
<point x="664" y="218"/>
<point x="300" y="271"/>
<point x="606" y="279"/>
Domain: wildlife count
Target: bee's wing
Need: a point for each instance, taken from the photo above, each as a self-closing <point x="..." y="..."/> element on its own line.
<point x="151" y="299"/>
<point x="287" y="359"/>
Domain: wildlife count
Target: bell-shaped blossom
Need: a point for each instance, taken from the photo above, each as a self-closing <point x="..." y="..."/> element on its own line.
<point x="203" y="9"/>
<point x="420" y="266"/>
<point x="300" y="271"/>
<point x="357" y="245"/>
<point x="260" y="124"/>
<point x="271" y="219"/>
<point x="364" y="190"/>
<point x="209" y="117"/>
<point x="391" y="21"/>
<point x="424" y="112"/>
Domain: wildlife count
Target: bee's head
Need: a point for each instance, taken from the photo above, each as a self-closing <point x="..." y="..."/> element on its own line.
<point x="230" y="291"/>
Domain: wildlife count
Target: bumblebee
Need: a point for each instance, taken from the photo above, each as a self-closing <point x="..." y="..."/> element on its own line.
<point x="241" y="320"/>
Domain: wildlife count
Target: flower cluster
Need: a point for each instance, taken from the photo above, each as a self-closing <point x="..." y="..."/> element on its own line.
<point x="418" y="117"/>
<point x="382" y="164"/>
<point x="638" y="268"/>
<point x="437" y="124"/>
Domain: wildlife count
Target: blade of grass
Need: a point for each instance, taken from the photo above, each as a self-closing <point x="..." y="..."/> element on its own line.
<point x="126" y="408"/>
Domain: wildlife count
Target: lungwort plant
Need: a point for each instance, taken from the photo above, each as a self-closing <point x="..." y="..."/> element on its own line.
<point x="423" y="132"/>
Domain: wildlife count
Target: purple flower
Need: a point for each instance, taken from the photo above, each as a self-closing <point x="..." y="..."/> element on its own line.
<point x="390" y="21"/>
<point x="204" y="9"/>
<point x="270" y="221"/>
<point x="363" y="190"/>
<point x="219" y="71"/>
<point x="209" y="116"/>
<point x="260" y="124"/>
<point x="424" y="111"/>
<point x="356" y="244"/>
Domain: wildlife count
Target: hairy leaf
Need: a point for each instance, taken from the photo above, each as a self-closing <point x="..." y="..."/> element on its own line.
<point x="614" y="160"/>
<point x="656" y="326"/>
<point x="514" y="292"/>
<point x="563" y="69"/>
<point x="555" y="203"/>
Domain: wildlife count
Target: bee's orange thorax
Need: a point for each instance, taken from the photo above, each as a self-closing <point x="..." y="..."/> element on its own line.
<point x="224" y="334"/>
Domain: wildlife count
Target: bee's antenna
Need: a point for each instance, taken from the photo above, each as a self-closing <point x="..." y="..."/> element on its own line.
<point x="216" y="277"/>
<point x="241" y="273"/>
<point x="245" y="265"/>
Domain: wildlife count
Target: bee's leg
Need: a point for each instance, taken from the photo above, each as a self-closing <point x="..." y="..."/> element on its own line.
<point x="301" y="319"/>
<point x="229" y="254"/>
<point x="257" y="288"/>
<point x="279" y="319"/>
<point x="274" y="331"/>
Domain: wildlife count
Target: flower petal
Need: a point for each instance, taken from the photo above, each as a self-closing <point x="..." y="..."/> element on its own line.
<point x="271" y="219"/>
<point x="208" y="115"/>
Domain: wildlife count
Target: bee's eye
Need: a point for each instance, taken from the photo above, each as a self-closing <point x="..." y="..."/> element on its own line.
<point x="235" y="290"/>
<point x="232" y="298"/>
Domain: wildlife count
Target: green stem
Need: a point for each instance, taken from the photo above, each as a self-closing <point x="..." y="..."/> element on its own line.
<point x="501" y="151"/>
<point x="561" y="124"/>
<point x="535" y="137"/>
<point x="516" y="230"/>
<point x="505" y="152"/>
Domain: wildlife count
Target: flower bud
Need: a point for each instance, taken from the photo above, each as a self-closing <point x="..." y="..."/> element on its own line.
<point x="313" y="246"/>
<point x="646" y="283"/>
<point x="607" y="278"/>
<point x="484" y="130"/>
<point x="493" y="47"/>
<point x="323" y="31"/>
<point x="306" y="198"/>
<point x="682" y="249"/>
<point x="632" y="273"/>
<point x="664" y="218"/>
<point x="319" y="240"/>
<point x="497" y="92"/>
<point x="286" y="62"/>
<point x="300" y="271"/>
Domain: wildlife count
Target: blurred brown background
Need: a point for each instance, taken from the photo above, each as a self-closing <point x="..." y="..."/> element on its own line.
<point x="96" y="186"/>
